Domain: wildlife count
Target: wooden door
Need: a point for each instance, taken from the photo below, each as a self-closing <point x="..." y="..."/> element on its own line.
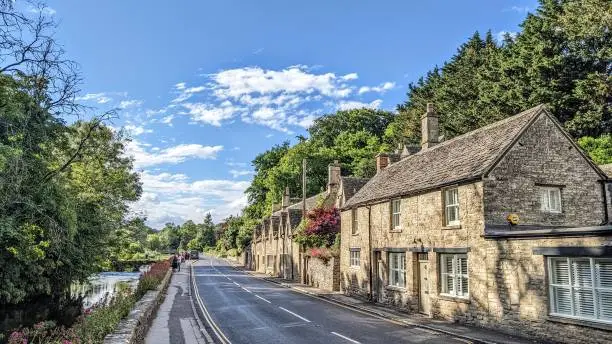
<point x="424" y="286"/>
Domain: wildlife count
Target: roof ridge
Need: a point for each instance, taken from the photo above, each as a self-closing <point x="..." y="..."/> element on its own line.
<point x="488" y="126"/>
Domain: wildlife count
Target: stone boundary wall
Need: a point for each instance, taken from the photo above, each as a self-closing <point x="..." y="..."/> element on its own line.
<point x="133" y="328"/>
<point x="324" y="275"/>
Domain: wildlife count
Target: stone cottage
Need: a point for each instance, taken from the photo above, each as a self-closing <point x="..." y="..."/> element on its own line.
<point x="273" y="249"/>
<point x="507" y="227"/>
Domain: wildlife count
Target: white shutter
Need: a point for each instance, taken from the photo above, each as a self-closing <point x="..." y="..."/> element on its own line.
<point x="603" y="273"/>
<point x="464" y="275"/>
<point x="560" y="273"/>
<point x="563" y="300"/>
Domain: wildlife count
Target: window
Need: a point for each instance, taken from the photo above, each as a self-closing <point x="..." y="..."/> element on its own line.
<point x="454" y="275"/>
<point x="550" y="198"/>
<point x="397" y="269"/>
<point x="581" y="288"/>
<point x="355" y="222"/>
<point x="396" y="209"/>
<point x="451" y="207"/>
<point x="355" y="256"/>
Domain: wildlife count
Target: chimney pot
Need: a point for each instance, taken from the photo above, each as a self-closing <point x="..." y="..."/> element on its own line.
<point x="430" y="129"/>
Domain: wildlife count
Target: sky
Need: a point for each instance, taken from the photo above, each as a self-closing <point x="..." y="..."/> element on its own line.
<point x="202" y="87"/>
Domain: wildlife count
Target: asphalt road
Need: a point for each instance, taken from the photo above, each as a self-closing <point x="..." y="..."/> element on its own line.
<point x="247" y="309"/>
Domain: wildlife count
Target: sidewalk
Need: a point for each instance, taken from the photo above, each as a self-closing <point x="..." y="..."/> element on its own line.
<point x="175" y="321"/>
<point x="471" y="333"/>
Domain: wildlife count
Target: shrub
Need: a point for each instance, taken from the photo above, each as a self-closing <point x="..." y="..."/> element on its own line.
<point x="320" y="228"/>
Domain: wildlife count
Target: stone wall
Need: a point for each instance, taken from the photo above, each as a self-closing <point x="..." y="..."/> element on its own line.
<point x="323" y="274"/>
<point x="133" y="328"/>
<point x="544" y="156"/>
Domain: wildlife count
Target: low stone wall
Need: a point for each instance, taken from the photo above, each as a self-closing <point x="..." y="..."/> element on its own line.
<point x="133" y="328"/>
<point x="323" y="275"/>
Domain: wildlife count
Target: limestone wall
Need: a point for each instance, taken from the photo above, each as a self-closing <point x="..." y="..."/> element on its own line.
<point x="323" y="274"/>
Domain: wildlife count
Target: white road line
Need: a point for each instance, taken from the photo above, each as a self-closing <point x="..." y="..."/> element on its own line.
<point x="259" y="297"/>
<point x="237" y="284"/>
<point x="245" y="289"/>
<point x="345" y="337"/>
<point x="295" y="315"/>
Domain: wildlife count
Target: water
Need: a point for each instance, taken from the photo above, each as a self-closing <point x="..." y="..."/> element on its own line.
<point x="105" y="285"/>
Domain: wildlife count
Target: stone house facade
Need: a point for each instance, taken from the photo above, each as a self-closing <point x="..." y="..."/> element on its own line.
<point x="506" y="227"/>
<point x="275" y="253"/>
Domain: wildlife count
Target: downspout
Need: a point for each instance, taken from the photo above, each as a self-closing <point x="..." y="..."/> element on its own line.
<point x="370" y="250"/>
<point x="605" y="202"/>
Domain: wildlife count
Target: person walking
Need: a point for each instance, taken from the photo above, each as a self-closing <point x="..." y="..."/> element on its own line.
<point x="175" y="263"/>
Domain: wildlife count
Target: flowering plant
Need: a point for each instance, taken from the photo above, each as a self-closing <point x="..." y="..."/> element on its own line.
<point x="320" y="228"/>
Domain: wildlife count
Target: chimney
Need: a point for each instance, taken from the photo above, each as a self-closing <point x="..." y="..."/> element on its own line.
<point x="430" y="130"/>
<point x="382" y="161"/>
<point x="333" y="176"/>
<point x="285" y="202"/>
<point x="409" y="150"/>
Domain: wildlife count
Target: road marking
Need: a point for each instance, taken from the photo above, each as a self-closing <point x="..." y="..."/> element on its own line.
<point x="237" y="284"/>
<point x="245" y="289"/>
<point x="215" y="328"/>
<point x="345" y="337"/>
<point x="257" y="296"/>
<point x="295" y="315"/>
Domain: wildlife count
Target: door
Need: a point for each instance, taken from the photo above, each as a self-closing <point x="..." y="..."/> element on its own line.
<point x="379" y="285"/>
<point x="424" y="302"/>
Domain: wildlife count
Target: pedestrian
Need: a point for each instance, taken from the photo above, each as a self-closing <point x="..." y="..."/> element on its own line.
<point x="175" y="264"/>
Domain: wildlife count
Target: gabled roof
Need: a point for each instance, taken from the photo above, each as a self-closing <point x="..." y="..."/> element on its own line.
<point x="350" y="185"/>
<point x="462" y="158"/>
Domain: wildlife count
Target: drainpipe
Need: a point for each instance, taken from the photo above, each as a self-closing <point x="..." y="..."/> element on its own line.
<point x="605" y="202"/>
<point x="370" y="250"/>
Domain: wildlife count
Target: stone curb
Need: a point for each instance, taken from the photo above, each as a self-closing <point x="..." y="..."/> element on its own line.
<point x="133" y="328"/>
<point x="365" y="310"/>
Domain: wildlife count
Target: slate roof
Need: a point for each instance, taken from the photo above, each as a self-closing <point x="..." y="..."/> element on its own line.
<point x="350" y="186"/>
<point x="462" y="158"/>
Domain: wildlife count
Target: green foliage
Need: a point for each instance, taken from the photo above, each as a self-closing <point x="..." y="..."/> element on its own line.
<point x="600" y="148"/>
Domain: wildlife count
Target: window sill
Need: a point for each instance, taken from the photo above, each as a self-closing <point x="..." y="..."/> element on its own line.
<point x="355" y="234"/>
<point x="354" y="267"/>
<point x="579" y="322"/>
<point x="454" y="298"/>
<point x="396" y="230"/>
<point x="452" y="227"/>
<point x="395" y="288"/>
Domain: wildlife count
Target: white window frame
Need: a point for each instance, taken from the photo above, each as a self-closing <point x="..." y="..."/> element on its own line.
<point x="355" y="258"/>
<point x="451" y="207"/>
<point x="354" y="221"/>
<point x="579" y="292"/>
<point x="396" y="214"/>
<point x="397" y="263"/>
<point x="457" y="275"/>
<point x="547" y="194"/>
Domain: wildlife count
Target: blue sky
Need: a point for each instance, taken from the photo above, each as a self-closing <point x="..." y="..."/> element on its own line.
<point x="204" y="86"/>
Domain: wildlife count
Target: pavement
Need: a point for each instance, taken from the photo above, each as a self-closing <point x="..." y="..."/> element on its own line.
<point x="239" y="306"/>
<point x="176" y="321"/>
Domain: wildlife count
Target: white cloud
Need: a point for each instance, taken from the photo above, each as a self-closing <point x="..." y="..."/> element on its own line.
<point x="348" y="105"/>
<point x="100" y="98"/>
<point x="170" y="155"/>
<point x="234" y="83"/>
<point x="136" y="130"/>
<point x="124" y="104"/>
<point x="240" y="173"/>
<point x="382" y="88"/>
<point x="258" y="51"/>
<point x="168" y="120"/>
<point x="519" y="9"/>
<point x="180" y="86"/>
<point x="350" y="76"/>
<point x="45" y="10"/>
<point x="500" y="36"/>
<point x="236" y="164"/>
<point x="209" y="114"/>
<point x="304" y="122"/>
<point x="174" y="197"/>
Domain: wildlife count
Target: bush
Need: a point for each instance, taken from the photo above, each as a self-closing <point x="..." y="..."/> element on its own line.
<point x="320" y="228"/>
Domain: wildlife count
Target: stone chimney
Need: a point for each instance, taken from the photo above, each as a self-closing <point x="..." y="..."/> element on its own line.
<point x="285" y="201"/>
<point x="382" y="161"/>
<point x="430" y="130"/>
<point x="333" y="176"/>
<point x="409" y="150"/>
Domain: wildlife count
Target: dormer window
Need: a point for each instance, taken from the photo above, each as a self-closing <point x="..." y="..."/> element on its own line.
<point x="550" y="199"/>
